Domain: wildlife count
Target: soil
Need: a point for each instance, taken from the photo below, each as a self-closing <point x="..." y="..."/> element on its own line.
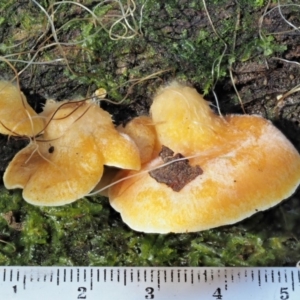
<point x="259" y="82"/>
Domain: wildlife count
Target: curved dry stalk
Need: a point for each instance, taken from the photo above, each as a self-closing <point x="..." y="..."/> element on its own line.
<point x="261" y="19"/>
<point x="134" y="83"/>
<point x="124" y="17"/>
<point x="230" y="63"/>
<point x="7" y="243"/>
<point x="127" y="18"/>
<point x="285" y="20"/>
<point x="218" y="61"/>
<point x="81" y="102"/>
<point x="139" y="173"/>
<point x="2" y="58"/>
<point x="266" y="12"/>
<point x="42" y="47"/>
<point x="51" y="24"/>
<point x="286" y="60"/>
<point x="280" y="98"/>
<point x="236" y="91"/>
<point x="139" y="80"/>
<point x="129" y="12"/>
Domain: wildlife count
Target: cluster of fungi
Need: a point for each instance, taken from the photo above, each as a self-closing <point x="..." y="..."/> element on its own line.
<point x="181" y="169"/>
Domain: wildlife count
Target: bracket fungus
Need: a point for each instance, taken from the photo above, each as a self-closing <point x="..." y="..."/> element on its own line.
<point x="142" y="132"/>
<point x="66" y="162"/>
<point x="16" y="116"/>
<point x="248" y="166"/>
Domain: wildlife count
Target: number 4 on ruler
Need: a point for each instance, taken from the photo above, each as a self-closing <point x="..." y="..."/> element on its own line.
<point x="217" y="294"/>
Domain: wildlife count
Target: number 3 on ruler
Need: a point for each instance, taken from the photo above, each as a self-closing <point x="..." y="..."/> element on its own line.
<point x="150" y="292"/>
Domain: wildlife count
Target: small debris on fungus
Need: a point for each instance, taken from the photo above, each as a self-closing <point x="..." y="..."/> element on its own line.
<point x="51" y="149"/>
<point x="177" y="174"/>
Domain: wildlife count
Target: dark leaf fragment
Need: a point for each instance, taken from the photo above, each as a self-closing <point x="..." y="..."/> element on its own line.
<point x="11" y="221"/>
<point x="176" y="175"/>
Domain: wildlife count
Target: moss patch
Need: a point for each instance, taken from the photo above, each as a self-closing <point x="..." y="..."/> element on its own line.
<point x="89" y="232"/>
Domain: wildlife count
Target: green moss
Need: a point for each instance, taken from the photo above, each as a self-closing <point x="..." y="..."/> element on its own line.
<point x="189" y="48"/>
<point x="89" y="232"/>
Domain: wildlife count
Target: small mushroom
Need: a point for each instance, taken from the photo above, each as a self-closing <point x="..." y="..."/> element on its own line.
<point x="16" y="116"/>
<point x="244" y="165"/>
<point x="67" y="162"/>
<point x="142" y="131"/>
<point x="118" y="149"/>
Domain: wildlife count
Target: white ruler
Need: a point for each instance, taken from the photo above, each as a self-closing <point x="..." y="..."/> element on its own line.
<point x="122" y="283"/>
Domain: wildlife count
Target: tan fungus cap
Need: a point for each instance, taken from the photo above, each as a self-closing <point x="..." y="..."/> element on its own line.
<point x="16" y="116"/>
<point x="67" y="162"/>
<point x="248" y="165"/>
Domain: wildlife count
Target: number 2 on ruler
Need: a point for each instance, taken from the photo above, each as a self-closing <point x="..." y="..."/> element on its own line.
<point x="82" y="294"/>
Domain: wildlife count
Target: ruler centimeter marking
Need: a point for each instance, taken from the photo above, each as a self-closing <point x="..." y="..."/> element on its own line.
<point x="91" y="283"/>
